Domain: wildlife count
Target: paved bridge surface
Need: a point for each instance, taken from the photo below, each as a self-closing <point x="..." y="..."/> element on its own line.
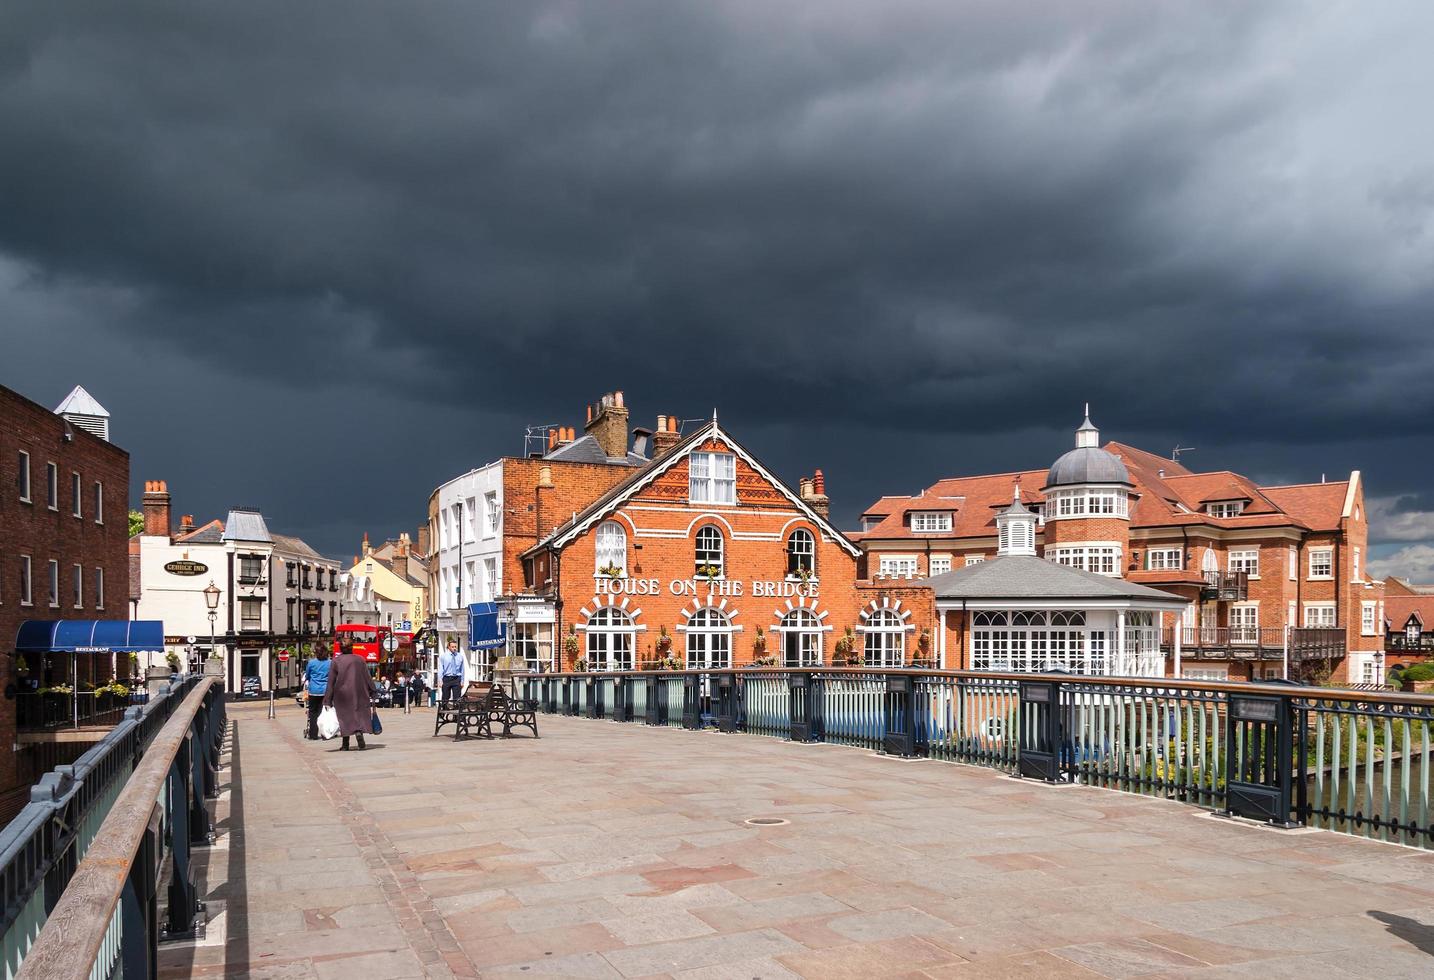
<point x="606" y="850"/>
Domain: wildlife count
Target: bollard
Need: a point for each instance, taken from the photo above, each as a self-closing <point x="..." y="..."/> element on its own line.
<point x="1038" y="729"/>
<point x="728" y="708"/>
<point x="804" y="706"/>
<point x="621" y="699"/>
<point x="271" y="704"/>
<point x="1259" y="752"/>
<point x="691" y="702"/>
<point x="900" y="727"/>
<point x="656" y="706"/>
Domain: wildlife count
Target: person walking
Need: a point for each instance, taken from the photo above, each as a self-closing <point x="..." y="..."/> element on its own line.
<point x="451" y="668"/>
<point x="350" y="694"/>
<point x="316" y="683"/>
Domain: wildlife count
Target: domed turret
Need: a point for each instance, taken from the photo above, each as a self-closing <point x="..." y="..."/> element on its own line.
<point x="1087" y="462"/>
<point x="1087" y="509"/>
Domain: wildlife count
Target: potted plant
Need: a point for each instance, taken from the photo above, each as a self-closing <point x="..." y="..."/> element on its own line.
<point x="847" y="649"/>
<point x="611" y="570"/>
<point x="759" y="644"/>
<point x="669" y="662"/>
<point x="766" y="660"/>
<point x="664" y="642"/>
<point x="172" y="659"/>
<point x="923" y="644"/>
<point x="571" y="646"/>
<point x="580" y="665"/>
<point x="806" y="575"/>
<point x="709" y="572"/>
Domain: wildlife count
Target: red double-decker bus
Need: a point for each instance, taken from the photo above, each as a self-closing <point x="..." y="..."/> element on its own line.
<point x="367" y="640"/>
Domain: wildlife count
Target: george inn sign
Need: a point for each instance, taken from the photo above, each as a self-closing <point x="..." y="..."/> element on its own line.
<point x="717" y="587"/>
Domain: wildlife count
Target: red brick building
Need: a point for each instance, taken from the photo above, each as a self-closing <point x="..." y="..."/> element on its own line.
<point x="1408" y="623"/>
<point x="64" y="538"/>
<point x="704" y="556"/>
<point x="1251" y="560"/>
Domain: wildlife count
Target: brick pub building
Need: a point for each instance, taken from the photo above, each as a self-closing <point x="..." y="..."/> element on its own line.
<point x="64" y="533"/>
<point x="1272" y="575"/>
<point x="705" y="557"/>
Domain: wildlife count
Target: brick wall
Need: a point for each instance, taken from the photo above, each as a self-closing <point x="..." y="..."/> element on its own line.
<point x="34" y="529"/>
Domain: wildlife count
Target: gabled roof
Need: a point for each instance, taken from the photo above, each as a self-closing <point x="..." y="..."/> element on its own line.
<point x="975" y="499"/>
<point x="1398" y="609"/>
<point x="296" y="546"/>
<point x="613" y="498"/>
<point x="1317" y="505"/>
<point x="211" y="533"/>
<point x="1017" y="577"/>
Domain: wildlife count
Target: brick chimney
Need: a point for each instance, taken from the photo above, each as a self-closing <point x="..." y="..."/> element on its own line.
<point x="367" y="548"/>
<point x="607" y="424"/>
<point x="423" y="539"/>
<point x="155" y="504"/>
<point x="666" y="435"/>
<point x="186" y="523"/>
<point x="818" y="500"/>
<point x="399" y="563"/>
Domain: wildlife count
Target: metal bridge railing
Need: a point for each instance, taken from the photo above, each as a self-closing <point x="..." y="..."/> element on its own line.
<point x="83" y="861"/>
<point x="1352" y="761"/>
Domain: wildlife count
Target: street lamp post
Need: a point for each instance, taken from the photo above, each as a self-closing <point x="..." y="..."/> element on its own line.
<point x="211" y="599"/>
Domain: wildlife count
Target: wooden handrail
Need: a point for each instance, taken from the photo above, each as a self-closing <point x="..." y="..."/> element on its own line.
<point x="1234" y="687"/>
<point x="69" y="943"/>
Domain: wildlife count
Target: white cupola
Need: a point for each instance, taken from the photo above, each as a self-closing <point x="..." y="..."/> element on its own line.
<point x="1016" y="529"/>
<point x="82" y="411"/>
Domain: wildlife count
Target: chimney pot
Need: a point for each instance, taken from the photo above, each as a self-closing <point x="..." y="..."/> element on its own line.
<point x="819" y="483"/>
<point x="617" y="398"/>
<point x="545" y="477"/>
<point x="155" y="506"/>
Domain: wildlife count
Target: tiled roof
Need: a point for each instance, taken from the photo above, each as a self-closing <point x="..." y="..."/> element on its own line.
<point x="1318" y="505"/>
<point x="1398" y="609"/>
<point x="977" y="500"/>
<point x="1023" y="577"/>
<point x="211" y="533"/>
<point x="246" y="525"/>
<point x="587" y="450"/>
<point x="296" y="546"/>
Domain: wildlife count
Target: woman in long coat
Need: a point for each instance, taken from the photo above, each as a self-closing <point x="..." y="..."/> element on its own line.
<point x="349" y="694"/>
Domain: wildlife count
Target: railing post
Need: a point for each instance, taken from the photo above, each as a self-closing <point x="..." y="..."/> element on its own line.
<point x="728" y="710"/>
<point x="899" y="726"/>
<point x="1259" y="754"/>
<point x="183" y="899"/>
<point x="691" y="701"/>
<point x="656" y="704"/>
<point x="139" y="908"/>
<point x="570" y="700"/>
<point x="804" y="705"/>
<point x="594" y="689"/>
<point x="621" y="698"/>
<point x="1038" y="720"/>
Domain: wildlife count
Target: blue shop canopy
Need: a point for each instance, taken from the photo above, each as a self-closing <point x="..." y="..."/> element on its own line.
<point x="90" y="636"/>
<point x="485" y="631"/>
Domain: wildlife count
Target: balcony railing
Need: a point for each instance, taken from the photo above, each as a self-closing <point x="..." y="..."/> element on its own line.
<point x="1284" y="754"/>
<point x="1317" y="643"/>
<point x="1403" y="643"/>
<point x="1257" y="642"/>
<point x="51" y="711"/>
<point x="1226" y="586"/>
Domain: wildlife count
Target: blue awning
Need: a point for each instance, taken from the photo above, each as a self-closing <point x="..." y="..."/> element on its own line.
<point x="485" y="630"/>
<point x="90" y="636"/>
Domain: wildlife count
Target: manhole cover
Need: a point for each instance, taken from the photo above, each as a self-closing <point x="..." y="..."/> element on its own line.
<point x="767" y="822"/>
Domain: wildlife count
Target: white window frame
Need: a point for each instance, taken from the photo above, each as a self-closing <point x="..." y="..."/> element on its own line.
<point x="54" y="583"/>
<point x="884" y="642"/>
<point x="709" y="547"/>
<point x="77" y="581"/>
<point x="77" y="490"/>
<point x="610" y="547"/>
<point x="1354" y="566"/>
<point x="898" y="566"/>
<point x="940" y="564"/>
<point x="1225" y="508"/>
<point x="1326" y="611"/>
<point x="490" y="513"/>
<point x="611" y="640"/>
<point x="930" y="521"/>
<point x="22" y="477"/>
<point x="975" y="559"/>
<point x="1367" y="621"/>
<point x="52" y="487"/>
<point x="1168" y="560"/>
<point x="712" y="478"/>
<point x="1205" y="673"/>
<point x="27" y="581"/>
<point x="797" y="552"/>
<point x="99" y="502"/>
<point x="99" y="587"/>
<point x="1087" y="502"/>
<point x="1245" y="560"/>
<point x="1326" y="561"/>
<point x="1099" y="557"/>
<point x="1247" y="631"/>
<point x="804" y="625"/>
<point x="708" y="640"/>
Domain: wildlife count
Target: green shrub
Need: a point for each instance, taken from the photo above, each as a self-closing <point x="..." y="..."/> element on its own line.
<point x="1419" y="672"/>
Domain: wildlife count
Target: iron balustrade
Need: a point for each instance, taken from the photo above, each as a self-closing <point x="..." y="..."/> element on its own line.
<point x="49" y="840"/>
<point x="52" y="710"/>
<point x="1351" y="761"/>
<point x="1404" y="643"/>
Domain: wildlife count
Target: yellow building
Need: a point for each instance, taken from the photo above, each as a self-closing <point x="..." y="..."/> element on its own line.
<point x="398" y="576"/>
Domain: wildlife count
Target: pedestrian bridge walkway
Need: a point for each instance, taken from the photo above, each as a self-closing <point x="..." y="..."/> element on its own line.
<point x="619" y="850"/>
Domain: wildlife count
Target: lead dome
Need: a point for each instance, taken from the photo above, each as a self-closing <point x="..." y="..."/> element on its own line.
<point x="1087" y="462"/>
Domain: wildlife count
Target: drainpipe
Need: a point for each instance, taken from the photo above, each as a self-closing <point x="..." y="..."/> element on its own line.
<point x="558" y="636"/>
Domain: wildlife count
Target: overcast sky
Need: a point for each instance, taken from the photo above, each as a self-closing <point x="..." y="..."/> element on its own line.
<point x="320" y="257"/>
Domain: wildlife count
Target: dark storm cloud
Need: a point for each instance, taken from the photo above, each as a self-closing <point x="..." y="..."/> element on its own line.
<point x="894" y="240"/>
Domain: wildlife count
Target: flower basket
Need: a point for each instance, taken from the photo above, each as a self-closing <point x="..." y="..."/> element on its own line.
<point x="664" y="642"/>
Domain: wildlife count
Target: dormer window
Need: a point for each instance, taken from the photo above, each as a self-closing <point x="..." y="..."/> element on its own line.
<point x="930" y="521"/>
<point x="712" y="478"/>
<point x="1225" y="508"/>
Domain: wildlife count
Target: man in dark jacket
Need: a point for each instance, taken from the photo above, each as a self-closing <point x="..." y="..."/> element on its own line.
<point x="350" y="694"/>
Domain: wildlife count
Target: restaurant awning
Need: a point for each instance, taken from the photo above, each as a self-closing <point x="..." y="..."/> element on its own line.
<point x="90" y="636"/>
<point x="485" y="630"/>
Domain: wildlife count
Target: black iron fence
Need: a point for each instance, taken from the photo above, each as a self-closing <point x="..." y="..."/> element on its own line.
<point x="82" y="816"/>
<point x="1352" y="761"/>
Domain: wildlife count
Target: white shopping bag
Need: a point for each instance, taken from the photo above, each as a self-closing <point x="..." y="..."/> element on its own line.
<point x="328" y="723"/>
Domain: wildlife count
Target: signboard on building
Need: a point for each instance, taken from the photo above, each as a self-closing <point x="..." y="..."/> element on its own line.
<point x="184" y="566"/>
<point x="535" y="612"/>
<point x="251" y="687"/>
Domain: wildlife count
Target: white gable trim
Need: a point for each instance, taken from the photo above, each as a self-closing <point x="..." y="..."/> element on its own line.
<point x="711" y="431"/>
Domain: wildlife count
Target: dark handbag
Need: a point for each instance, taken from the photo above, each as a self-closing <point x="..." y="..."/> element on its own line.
<point x="376" y="725"/>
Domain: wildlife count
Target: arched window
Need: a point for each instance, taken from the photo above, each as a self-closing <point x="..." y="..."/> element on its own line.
<point x="709" y="640"/>
<point x="885" y="644"/>
<point x="709" y="551"/>
<point x="801" y="552"/>
<point x="610" y="634"/>
<point x="611" y="548"/>
<point x="801" y="639"/>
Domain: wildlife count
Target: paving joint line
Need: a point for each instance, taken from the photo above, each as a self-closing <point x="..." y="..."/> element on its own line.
<point x="394" y="872"/>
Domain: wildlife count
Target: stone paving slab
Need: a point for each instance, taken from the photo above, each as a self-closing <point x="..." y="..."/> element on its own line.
<point x="619" y="851"/>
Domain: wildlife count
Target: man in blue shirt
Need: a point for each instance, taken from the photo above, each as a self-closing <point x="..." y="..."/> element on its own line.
<point x="316" y="682"/>
<point x="450" y="672"/>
